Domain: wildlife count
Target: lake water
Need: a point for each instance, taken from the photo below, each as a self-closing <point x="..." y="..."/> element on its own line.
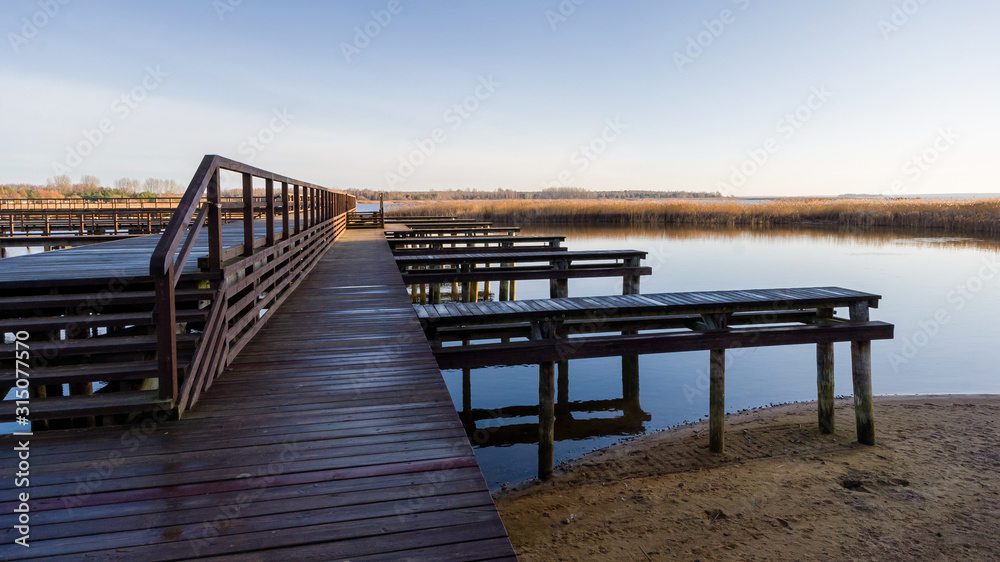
<point x="942" y="294"/>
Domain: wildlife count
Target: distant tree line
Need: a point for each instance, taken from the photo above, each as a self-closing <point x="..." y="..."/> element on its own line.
<point x="89" y="187"/>
<point x="549" y="193"/>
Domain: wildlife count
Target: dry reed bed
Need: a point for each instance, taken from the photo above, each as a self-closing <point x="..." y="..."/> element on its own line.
<point x="970" y="216"/>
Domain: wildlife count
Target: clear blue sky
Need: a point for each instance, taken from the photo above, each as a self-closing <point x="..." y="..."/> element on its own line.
<point x="601" y="94"/>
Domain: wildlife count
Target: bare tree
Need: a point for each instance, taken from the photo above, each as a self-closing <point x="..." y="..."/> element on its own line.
<point x="127" y="186"/>
<point x="89" y="183"/>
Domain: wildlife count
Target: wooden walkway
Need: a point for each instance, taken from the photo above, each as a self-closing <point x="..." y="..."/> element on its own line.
<point x="119" y="259"/>
<point x="332" y="436"/>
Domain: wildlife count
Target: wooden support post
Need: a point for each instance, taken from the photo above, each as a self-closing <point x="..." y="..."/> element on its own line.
<point x="824" y="386"/>
<point x="48" y="228"/>
<point x="630" y="377"/>
<point x="504" y="289"/>
<point x="861" y="367"/>
<point x="166" y="334"/>
<point x="513" y="289"/>
<point x="83" y="227"/>
<point x="546" y="419"/>
<point x="630" y="283"/>
<point x="559" y="288"/>
<point x="454" y="292"/>
<point x="717" y="400"/>
<point x="247" y="214"/>
<point x="435" y="293"/>
<point x="466" y="286"/>
<point x="269" y="211"/>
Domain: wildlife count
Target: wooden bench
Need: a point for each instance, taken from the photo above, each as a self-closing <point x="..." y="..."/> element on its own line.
<point x="453" y="231"/>
<point x="500" y="266"/>
<point x="561" y="329"/>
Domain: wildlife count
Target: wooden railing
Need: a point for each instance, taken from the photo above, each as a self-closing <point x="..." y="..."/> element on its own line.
<point x="106" y="204"/>
<point x="253" y="278"/>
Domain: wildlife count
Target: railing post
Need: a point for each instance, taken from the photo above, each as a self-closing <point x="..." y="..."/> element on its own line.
<point x="269" y="210"/>
<point x="284" y="210"/>
<point x="214" y="202"/>
<point x="298" y="205"/>
<point x="166" y="340"/>
<point x="247" y="214"/>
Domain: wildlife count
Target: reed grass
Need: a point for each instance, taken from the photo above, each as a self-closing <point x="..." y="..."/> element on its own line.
<point x="981" y="216"/>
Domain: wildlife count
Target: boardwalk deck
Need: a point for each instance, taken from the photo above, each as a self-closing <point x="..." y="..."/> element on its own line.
<point x="126" y="258"/>
<point x="332" y="436"/>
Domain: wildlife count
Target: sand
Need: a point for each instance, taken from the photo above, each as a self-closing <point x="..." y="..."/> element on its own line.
<point x="928" y="490"/>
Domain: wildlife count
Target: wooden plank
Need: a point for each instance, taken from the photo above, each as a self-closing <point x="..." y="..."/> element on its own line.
<point x="362" y="452"/>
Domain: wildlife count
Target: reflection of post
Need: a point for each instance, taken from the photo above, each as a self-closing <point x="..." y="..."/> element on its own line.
<point x="861" y="366"/>
<point x="467" y="392"/>
<point x="630" y="384"/>
<point x="562" y="406"/>
<point x="717" y="400"/>
<point x="546" y="418"/>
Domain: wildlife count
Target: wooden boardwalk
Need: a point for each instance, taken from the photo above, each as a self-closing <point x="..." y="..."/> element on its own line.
<point x="331" y="436"/>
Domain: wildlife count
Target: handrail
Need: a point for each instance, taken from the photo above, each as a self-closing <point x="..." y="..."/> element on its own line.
<point x="313" y="207"/>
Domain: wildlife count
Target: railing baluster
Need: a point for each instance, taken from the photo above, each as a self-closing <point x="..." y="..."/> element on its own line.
<point x="269" y="211"/>
<point x="247" y="214"/>
<point x="284" y="210"/>
<point x="214" y="224"/>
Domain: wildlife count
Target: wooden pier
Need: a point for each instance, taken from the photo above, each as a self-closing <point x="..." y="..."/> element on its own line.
<point x="186" y="399"/>
<point x="313" y="424"/>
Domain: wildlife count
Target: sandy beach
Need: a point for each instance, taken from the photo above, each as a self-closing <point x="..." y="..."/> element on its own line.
<point x="929" y="490"/>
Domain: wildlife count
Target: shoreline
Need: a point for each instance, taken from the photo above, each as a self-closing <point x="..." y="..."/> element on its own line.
<point x="930" y="488"/>
<point x="952" y="216"/>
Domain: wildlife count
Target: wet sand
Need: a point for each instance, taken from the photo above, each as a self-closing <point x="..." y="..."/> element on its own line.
<point x="929" y="490"/>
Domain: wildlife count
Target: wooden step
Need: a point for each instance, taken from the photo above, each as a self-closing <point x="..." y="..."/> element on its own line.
<point x="117" y="320"/>
<point x="102" y="403"/>
<point x="98" y="299"/>
<point x="131" y="370"/>
<point x="104" y="344"/>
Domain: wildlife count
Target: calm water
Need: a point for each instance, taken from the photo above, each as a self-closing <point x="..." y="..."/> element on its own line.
<point x="923" y="278"/>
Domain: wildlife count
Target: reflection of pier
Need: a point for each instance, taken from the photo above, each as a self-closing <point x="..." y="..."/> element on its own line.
<point x="554" y="331"/>
<point x="565" y="425"/>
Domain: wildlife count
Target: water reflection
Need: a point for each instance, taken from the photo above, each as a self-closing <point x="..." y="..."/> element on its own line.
<point x="509" y="425"/>
<point x="942" y="292"/>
